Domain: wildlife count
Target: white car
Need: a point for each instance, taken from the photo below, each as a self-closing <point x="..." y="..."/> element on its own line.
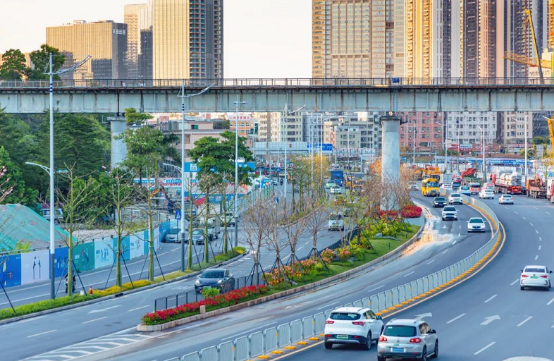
<point x="354" y="326"/>
<point x="336" y="222"/>
<point x="535" y="276"/>
<point x="476" y="224"/>
<point x="336" y="190"/>
<point x="455" y="198"/>
<point x="486" y="194"/>
<point x="506" y="199"/>
<point x="449" y="212"/>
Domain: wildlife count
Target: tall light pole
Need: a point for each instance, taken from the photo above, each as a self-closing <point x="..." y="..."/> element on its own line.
<point x="312" y="149"/>
<point x="446" y="145"/>
<point x="182" y="168"/>
<point x="51" y="74"/>
<point x="413" y="155"/>
<point x="237" y="105"/>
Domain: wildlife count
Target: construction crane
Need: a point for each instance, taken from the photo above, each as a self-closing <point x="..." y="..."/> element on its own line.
<point x="523" y="59"/>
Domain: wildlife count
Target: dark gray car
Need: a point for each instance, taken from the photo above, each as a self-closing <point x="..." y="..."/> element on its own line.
<point x="215" y="277"/>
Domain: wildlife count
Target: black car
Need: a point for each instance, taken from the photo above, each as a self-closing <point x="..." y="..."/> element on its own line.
<point x="215" y="277"/>
<point x="439" y="202"/>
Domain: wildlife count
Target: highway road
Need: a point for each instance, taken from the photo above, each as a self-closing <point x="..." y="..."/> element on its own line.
<point x="444" y="244"/>
<point x="488" y="317"/>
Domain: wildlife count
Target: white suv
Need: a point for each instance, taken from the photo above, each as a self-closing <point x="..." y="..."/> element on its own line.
<point x="455" y="198"/>
<point x="352" y="325"/>
<point x="449" y="212"/>
<point x="408" y="339"/>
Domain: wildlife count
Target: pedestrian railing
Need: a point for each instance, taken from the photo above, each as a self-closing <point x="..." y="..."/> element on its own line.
<point x="292" y="333"/>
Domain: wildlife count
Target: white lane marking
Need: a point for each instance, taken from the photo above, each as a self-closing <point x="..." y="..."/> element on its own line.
<point x="536" y="257"/>
<point x="96" y="319"/>
<point x="329" y="305"/>
<point x="490" y="299"/>
<point x="523" y="217"/>
<point x="522" y="322"/>
<point x="484" y="348"/>
<point x="25" y="299"/>
<point x="376" y="288"/>
<point x="42" y="333"/>
<point x="536" y="230"/>
<point x="104" y="309"/>
<point x="453" y="243"/>
<point x="431" y="261"/>
<point x="138" y="308"/>
<point x="31" y="319"/>
<point x="531" y="224"/>
<point x="547" y="212"/>
<point x="513" y="283"/>
<point x="407" y="274"/>
<point x="516" y="212"/>
<point x="540" y="248"/>
<point x="456" y="318"/>
<point x="536" y="208"/>
<point x="540" y="238"/>
<point x="549" y="302"/>
<point x="443" y="252"/>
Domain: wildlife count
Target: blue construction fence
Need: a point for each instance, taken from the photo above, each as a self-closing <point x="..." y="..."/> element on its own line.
<point x="25" y="268"/>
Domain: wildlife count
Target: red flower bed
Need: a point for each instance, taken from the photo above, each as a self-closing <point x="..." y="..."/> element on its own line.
<point x="410" y="211"/>
<point x="227" y="299"/>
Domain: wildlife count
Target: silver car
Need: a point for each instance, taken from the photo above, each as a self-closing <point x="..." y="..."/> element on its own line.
<point x="407" y="338"/>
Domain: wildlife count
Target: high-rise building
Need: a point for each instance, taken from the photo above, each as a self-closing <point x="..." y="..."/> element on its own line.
<point x="441" y="39"/>
<point x="131" y="18"/>
<point x="464" y="129"/>
<point x="105" y="41"/>
<point x="188" y="39"/>
<point x="419" y="44"/>
<point x="145" y="58"/>
<point x="424" y="130"/>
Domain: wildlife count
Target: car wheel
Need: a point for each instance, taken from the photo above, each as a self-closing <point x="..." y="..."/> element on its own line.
<point x="436" y="352"/>
<point x="328" y="345"/>
<point x="368" y="342"/>
<point x="522" y="287"/>
<point x="423" y="355"/>
<point x="381" y="358"/>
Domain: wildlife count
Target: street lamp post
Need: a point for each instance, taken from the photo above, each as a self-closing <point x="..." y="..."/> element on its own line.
<point x="51" y="74"/>
<point x="237" y="105"/>
<point x="414" y="142"/>
<point x="446" y="145"/>
<point x="182" y="168"/>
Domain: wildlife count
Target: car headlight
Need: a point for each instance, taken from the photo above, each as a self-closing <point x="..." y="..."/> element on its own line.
<point x="197" y="282"/>
<point x="219" y="281"/>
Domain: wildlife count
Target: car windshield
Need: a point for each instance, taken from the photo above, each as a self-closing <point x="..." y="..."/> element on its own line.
<point x="400" y="331"/>
<point x="535" y="269"/>
<point x="439" y="199"/>
<point x="344" y="316"/>
<point x="213" y="274"/>
<point x="455" y="195"/>
<point x="475" y="185"/>
<point x="507" y="197"/>
<point x="335" y="217"/>
<point x="450" y="209"/>
<point x="432" y="184"/>
<point x="465" y="188"/>
<point x="476" y="220"/>
<point x="198" y="232"/>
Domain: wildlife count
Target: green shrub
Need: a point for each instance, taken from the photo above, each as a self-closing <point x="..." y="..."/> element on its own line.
<point x="209" y="292"/>
<point x="43" y="305"/>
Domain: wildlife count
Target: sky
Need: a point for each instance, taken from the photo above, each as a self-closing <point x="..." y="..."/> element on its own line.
<point x="262" y="38"/>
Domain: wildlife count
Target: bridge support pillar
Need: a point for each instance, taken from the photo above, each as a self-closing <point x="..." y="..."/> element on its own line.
<point x="390" y="162"/>
<point x="118" y="127"/>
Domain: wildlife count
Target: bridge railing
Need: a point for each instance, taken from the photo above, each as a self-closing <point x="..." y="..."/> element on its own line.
<point x="271" y="82"/>
<point x="290" y="334"/>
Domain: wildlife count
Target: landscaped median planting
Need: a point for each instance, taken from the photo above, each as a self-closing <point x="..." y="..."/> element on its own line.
<point x="234" y="297"/>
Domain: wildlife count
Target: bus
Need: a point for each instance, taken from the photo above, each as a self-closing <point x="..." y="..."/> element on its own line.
<point x="430" y="187"/>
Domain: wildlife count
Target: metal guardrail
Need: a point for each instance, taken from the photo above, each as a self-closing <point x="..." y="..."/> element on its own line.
<point x="290" y="333"/>
<point x="272" y="82"/>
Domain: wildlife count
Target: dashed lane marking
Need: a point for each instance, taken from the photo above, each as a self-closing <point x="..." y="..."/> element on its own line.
<point x="513" y="283"/>
<point x="484" y="348"/>
<point x="456" y="318"/>
<point x="522" y="322"/>
<point x="42" y="333"/>
<point x="490" y="299"/>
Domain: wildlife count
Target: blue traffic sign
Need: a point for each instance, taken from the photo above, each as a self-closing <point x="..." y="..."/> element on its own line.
<point x="178" y="214"/>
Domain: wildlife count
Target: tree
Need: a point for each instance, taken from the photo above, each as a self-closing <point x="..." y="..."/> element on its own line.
<point x="13" y="66"/>
<point x="208" y="182"/>
<point x="78" y="213"/>
<point x="275" y="242"/>
<point x="13" y="180"/>
<point x="136" y="118"/>
<point x="293" y="231"/>
<point x="315" y="220"/>
<point x="222" y="189"/>
<point x="41" y="63"/>
<point x="79" y="140"/>
<point x="255" y="225"/>
<point x="118" y="192"/>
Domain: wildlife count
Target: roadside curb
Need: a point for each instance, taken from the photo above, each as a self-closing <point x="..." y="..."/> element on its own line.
<point x="106" y="298"/>
<point x="394" y="254"/>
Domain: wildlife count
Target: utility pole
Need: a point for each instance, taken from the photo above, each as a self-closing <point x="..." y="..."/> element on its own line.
<point x="237" y="105"/>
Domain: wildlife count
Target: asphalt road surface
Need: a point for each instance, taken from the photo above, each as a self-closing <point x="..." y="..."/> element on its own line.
<point x="68" y="334"/>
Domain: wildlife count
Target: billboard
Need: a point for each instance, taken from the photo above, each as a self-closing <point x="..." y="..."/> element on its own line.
<point x="60" y="262"/>
<point x="83" y="256"/>
<point x="35" y="266"/>
<point x="103" y="253"/>
<point x="10" y="270"/>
